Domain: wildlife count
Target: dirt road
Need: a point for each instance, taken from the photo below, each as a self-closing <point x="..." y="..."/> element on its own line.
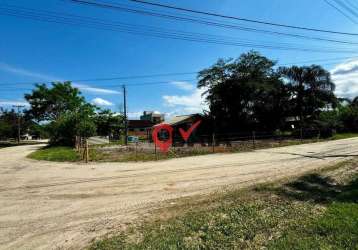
<point x="47" y="205"/>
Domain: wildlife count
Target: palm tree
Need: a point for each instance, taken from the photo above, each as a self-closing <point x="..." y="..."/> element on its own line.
<point x="355" y="102"/>
<point x="312" y="89"/>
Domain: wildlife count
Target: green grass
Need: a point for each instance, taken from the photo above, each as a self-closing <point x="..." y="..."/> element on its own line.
<point x="337" y="228"/>
<point x="97" y="154"/>
<point x="116" y="156"/>
<point x="311" y="212"/>
<point x="344" y="136"/>
<point x="60" y="154"/>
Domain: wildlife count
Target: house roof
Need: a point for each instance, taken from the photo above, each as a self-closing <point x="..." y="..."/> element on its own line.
<point x="179" y="119"/>
<point x="140" y="124"/>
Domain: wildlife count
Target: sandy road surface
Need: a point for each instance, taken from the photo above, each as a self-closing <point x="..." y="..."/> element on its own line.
<point x="47" y="205"/>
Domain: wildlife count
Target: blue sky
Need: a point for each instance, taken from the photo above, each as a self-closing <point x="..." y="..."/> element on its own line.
<point x="34" y="51"/>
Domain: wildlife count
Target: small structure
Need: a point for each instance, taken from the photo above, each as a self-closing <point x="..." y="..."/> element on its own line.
<point x="185" y="122"/>
<point x="153" y="116"/>
<point x="140" y="128"/>
<point x="292" y="123"/>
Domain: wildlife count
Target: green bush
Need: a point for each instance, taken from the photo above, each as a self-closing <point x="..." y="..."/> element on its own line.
<point x="64" y="130"/>
<point x="55" y="154"/>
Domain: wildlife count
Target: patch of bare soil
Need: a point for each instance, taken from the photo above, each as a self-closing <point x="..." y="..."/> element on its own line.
<point x="46" y="205"/>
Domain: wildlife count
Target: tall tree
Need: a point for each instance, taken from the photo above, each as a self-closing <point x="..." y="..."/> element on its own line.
<point x="311" y="90"/>
<point x="355" y="102"/>
<point x="48" y="104"/>
<point x="245" y="94"/>
<point x="108" y="123"/>
<point x="9" y="120"/>
<point x="65" y="111"/>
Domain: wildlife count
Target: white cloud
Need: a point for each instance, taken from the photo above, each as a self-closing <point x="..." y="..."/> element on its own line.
<point x="186" y="104"/>
<point x="134" y="115"/>
<point x="183" y="85"/>
<point x="137" y="114"/>
<point x="350" y="66"/>
<point x="24" y="72"/>
<point x="345" y="76"/>
<point x="85" y="88"/>
<point x="13" y="102"/>
<point x="101" y="102"/>
<point x="94" y="90"/>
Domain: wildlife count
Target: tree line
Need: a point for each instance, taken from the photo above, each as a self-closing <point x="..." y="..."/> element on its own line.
<point x="251" y="94"/>
<point x="60" y="113"/>
<point x="246" y="94"/>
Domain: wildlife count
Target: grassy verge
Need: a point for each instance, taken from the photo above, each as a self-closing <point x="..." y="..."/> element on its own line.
<point x="100" y="153"/>
<point x="60" y="154"/>
<point x="344" y="136"/>
<point x="118" y="155"/>
<point x="316" y="211"/>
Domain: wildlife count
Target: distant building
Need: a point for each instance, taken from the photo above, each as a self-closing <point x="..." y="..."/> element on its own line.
<point x="140" y="127"/>
<point x="292" y="122"/>
<point x="185" y="122"/>
<point x="153" y="116"/>
<point x="143" y="127"/>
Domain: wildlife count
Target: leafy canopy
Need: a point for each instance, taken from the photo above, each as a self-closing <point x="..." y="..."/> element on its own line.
<point x="249" y="93"/>
<point x="48" y="104"/>
<point x="244" y="94"/>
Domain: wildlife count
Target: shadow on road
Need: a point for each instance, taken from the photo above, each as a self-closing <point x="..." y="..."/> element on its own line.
<point x="320" y="189"/>
<point x="318" y="156"/>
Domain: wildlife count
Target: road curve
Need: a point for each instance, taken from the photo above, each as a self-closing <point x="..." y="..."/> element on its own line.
<point x="46" y="205"/>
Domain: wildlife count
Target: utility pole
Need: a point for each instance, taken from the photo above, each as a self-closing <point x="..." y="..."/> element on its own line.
<point x="213" y="135"/>
<point x="18" y="122"/>
<point x="125" y="115"/>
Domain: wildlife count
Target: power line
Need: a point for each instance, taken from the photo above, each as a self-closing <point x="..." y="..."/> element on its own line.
<point x="18" y="122"/>
<point x="128" y="84"/>
<point x="108" y="85"/>
<point x="125" y="115"/>
<point x="178" y="35"/>
<point x="105" y="78"/>
<point x="212" y="23"/>
<point x="352" y="5"/>
<point x="340" y="11"/>
<point x="133" y="77"/>
<point x="347" y="8"/>
<point x="239" y="18"/>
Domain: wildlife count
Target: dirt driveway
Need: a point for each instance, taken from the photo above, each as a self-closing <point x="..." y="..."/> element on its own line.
<point x="47" y="205"/>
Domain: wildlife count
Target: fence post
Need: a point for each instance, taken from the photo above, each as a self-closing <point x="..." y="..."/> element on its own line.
<point x="80" y="144"/>
<point x="83" y="150"/>
<point x="173" y="146"/>
<point x="213" y="142"/>
<point x="155" y="151"/>
<point x="136" y="144"/>
<point x="76" y="148"/>
<point x="253" y="140"/>
<point x="86" y="150"/>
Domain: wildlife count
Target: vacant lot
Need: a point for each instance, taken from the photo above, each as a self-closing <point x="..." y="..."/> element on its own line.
<point x="316" y="211"/>
<point x="147" y="152"/>
<point x="64" y="205"/>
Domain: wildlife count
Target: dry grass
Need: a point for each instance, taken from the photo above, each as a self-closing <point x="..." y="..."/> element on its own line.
<point x="316" y="211"/>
